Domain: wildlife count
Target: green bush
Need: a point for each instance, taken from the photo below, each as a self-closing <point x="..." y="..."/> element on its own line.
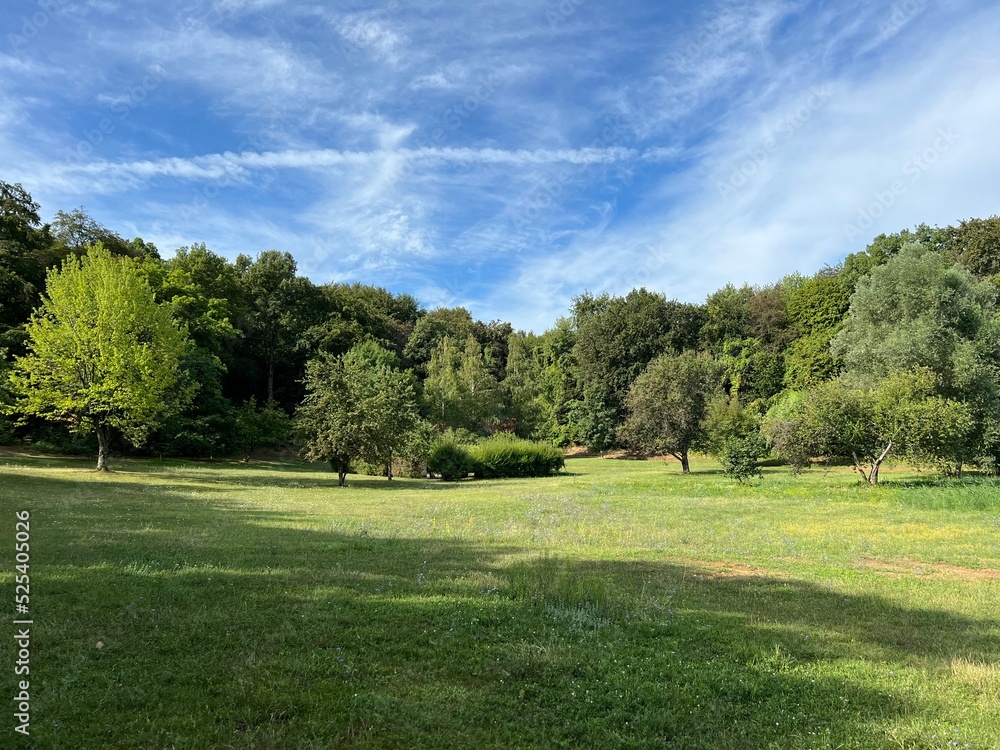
<point x="740" y="456"/>
<point x="504" y="456"/>
<point x="450" y="459"/>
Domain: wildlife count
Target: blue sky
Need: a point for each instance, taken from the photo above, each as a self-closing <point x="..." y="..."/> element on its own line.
<point x="508" y="155"/>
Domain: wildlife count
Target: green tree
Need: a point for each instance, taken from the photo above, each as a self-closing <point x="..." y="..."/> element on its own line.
<point x="866" y="422"/>
<point x="918" y="311"/>
<point x="357" y="407"/>
<point x="668" y="403"/>
<point x="275" y="300"/>
<point x="460" y="390"/>
<point x="102" y="354"/>
<point x="616" y="339"/>
<point x="428" y="332"/>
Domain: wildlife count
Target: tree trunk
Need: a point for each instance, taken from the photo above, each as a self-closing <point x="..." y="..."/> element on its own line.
<point x="685" y="464"/>
<point x="388" y="468"/>
<point x="341" y="472"/>
<point x="270" y="375"/>
<point x="102" y="447"/>
<point x="876" y="464"/>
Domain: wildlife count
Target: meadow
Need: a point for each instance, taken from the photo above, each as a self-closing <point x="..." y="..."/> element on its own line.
<point x="617" y="605"/>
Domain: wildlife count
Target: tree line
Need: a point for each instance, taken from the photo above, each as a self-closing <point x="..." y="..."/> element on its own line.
<point x="106" y="346"/>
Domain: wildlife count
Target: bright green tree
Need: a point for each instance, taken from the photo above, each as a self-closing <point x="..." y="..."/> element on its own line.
<point x="102" y="354"/>
<point x="460" y="390"/>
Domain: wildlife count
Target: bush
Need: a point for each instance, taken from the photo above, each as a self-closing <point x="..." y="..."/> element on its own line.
<point x="503" y="456"/>
<point x="450" y="459"/>
<point x="740" y="456"/>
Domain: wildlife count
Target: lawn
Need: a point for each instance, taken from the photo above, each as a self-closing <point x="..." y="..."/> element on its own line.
<point x="618" y="605"/>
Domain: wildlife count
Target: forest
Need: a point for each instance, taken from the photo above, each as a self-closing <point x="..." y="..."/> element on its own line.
<point x="108" y="348"/>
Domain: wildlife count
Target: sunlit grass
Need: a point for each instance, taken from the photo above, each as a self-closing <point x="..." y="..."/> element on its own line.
<point x="618" y="605"/>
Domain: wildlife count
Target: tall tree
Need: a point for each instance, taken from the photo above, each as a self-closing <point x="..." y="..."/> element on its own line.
<point x="917" y="311"/>
<point x="275" y="298"/>
<point x="431" y="329"/>
<point x="102" y="354"/>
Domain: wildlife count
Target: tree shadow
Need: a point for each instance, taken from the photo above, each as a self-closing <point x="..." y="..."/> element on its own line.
<point x="230" y="627"/>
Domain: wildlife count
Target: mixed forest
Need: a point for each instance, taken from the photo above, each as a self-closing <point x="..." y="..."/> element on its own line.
<point x="108" y="348"/>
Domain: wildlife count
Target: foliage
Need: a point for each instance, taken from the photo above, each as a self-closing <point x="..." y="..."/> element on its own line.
<point x="668" y="403"/>
<point x="740" y="456"/>
<point x="431" y="329"/>
<point x="450" y="459"/>
<point x="504" y="456"/>
<point x="357" y="407"/>
<point x="102" y="354"/>
<point x="617" y="337"/>
<point x="460" y="390"/>
<point x="865" y="422"/>
<point x="259" y="428"/>
<point x="733" y="436"/>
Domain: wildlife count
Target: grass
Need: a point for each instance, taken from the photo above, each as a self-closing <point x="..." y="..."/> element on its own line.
<point x="617" y="605"/>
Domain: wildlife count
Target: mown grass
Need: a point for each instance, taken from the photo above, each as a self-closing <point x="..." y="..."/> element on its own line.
<point x="617" y="605"/>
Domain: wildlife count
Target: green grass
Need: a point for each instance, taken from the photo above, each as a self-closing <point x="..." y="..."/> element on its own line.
<point x="619" y="605"/>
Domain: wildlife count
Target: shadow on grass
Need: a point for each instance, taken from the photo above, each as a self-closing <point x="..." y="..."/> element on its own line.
<point x="222" y="627"/>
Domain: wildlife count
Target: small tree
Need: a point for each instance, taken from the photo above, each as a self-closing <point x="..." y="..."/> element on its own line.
<point x="358" y="406"/>
<point x="733" y="436"/>
<point x="667" y="405"/>
<point x="102" y="354"/>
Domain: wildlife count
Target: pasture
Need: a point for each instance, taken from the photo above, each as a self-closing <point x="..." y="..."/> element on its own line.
<point x="618" y="605"/>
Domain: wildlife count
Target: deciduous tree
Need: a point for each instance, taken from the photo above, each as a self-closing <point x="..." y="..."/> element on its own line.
<point x="102" y="354"/>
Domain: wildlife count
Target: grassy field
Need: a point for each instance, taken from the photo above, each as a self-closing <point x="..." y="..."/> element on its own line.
<point x="619" y="605"/>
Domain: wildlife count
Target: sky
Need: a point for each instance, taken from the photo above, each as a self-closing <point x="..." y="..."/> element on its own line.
<point x="507" y="156"/>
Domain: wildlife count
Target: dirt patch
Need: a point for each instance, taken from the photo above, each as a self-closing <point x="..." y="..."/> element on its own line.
<point x="904" y="568"/>
<point x="717" y="569"/>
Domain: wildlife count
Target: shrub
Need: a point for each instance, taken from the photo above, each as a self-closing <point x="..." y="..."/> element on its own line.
<point x="503" y="456"/>
<point x="740" y="456"/>
<point x="450" y="459"/>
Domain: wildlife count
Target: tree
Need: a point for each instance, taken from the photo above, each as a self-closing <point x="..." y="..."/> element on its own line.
<point x="77" y="231"/>
<point x="357" y="407"/>
<point x="275" y="296"/>
<point x="918" y="311"/>
<point x="668" y="403"/>
<point x="102" y="354"/>
<point x="26" y="251"/>
<point x="733" y="436"/>
<point x="866" y="422"/>
<point x="460" y="390"/>
<point x="431" y="329"/>
<point x="975" y="243"/>
<point x="617" y="338"/>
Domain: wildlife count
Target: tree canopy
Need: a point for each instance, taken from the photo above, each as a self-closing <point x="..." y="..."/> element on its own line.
<point x="102" y="353"/>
